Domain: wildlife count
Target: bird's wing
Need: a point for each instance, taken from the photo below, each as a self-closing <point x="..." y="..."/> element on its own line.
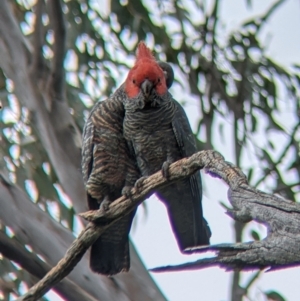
<point x="103" y="173"/>
<point x="185" y="196"/>
<point x="87" y="157"/>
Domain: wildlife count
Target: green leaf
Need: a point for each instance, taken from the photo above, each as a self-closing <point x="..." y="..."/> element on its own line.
<point x="255" y="235"/>
<point x="224" y="205"/>
<point x="253" y="123"/>
<point x="274" y="296"/>
<point x="270" y="87"/>
<point x="250" y="174"/>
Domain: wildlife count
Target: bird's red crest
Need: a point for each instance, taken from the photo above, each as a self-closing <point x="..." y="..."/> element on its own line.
<point x="143" y="52"/>
<point x="145" y="67"/>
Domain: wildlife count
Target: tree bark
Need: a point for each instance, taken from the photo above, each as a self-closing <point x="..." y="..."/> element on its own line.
<point x="282" y="217"/>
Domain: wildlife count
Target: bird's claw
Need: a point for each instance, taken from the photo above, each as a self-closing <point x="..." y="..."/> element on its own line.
<point x="139" y="183"/>
<point x="126" y="191"/>
<point x="165" y="169"/>
<point x="105" y="204"/>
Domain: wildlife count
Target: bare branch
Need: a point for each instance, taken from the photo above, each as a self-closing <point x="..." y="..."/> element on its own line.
<point x="269" y="12"/>
<point x="252" y="280"/>
<point x="117" y="209"/>
<point x="13" y="250"/>
<point x="178" y="170"/>
<point x="279" y="249"/>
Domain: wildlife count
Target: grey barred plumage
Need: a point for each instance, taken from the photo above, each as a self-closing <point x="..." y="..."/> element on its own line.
<point x="145" y="128"/>
<point x="108" y="169"/>
<point x="158" y="133"/>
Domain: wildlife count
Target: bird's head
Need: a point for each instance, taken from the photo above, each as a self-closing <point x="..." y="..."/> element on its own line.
<point x="146" y="81"/>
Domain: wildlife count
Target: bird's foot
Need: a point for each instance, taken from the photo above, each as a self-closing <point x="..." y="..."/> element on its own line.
<point x="126" y="191"/>
<point x="105" y="204"/>
<point x="139" y="183"/>
<point x="165" y="169"/>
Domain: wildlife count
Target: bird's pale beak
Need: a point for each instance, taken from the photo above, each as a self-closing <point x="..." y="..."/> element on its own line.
<point x="147" y="87"/>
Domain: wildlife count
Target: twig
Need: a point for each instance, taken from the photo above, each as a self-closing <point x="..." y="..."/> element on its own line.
<point x="252" y="280"/>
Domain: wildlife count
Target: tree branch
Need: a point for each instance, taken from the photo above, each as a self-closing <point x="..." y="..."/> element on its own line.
<point x="57" y="129"/>
<point x="279" y="249"/>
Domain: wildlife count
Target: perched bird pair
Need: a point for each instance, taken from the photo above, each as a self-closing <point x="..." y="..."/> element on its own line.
<point x="136" y="132"/>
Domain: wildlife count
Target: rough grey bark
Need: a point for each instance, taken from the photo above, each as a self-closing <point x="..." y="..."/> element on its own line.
<point x="38" y="89"/>
<point x="278" y="250"/>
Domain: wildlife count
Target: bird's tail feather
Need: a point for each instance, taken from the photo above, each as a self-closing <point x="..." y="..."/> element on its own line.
<point x="110" y="253"/>
<point x="185" y="214"/>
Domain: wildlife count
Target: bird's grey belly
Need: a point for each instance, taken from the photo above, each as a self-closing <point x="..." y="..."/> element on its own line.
<point x="152" y="150"/>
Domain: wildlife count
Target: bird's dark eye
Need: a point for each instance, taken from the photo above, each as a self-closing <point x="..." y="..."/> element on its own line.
<point x="159" y="79"/>
<point x="134" y="81"/>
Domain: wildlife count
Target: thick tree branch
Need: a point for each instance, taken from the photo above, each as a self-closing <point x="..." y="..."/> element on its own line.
<point x="279" y="249"/>
<point x="13" y="250"/>
<point x="39" y="67"/>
